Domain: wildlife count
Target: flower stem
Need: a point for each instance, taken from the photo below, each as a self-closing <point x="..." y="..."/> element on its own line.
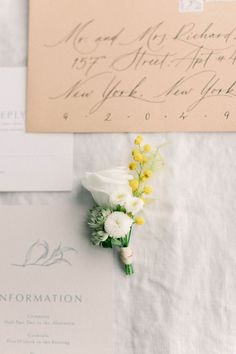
<point x="129" y="270"/>
<point x="128" y="237"/>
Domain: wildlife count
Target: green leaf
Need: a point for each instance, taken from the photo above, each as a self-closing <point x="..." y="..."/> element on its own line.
<point x="107" y="243"/>
<point x="116" y="242"/>
<point x="155" y="162"/>
<point x="120" y="208"/>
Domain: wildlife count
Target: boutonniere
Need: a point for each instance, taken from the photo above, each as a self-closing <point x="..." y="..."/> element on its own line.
<point x="120" y="195"/>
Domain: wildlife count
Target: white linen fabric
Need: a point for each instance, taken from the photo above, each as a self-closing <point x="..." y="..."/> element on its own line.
<point x="182" y="298"/>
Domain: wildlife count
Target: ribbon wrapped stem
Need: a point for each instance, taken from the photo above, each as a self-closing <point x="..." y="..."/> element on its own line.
<point x="126" y="255"/>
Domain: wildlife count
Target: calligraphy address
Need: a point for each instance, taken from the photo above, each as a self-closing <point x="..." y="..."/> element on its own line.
<point x="152" y="66"/>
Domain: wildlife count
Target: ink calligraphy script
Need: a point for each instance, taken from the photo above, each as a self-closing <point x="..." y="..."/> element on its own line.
<point x="123" y="66"/>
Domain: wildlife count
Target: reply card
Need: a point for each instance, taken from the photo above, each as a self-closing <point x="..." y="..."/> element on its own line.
<point x="107" y="66"/>
<point x="29" y="162"/>
<point x="55" y="289"/>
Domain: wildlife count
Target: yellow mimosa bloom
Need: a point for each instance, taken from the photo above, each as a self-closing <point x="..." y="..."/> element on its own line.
<point x="145" y="159"/>
<point x="138" y="140"/>
<point x="132" y="166"/>
<point x="139" y="220"/>
<point x="135" y="152"/>
<point x="143" y="179"/>
<point x="138" y="157"/>
<point x="134" y="184"/>
<point x="147" y="173"/>
<point x="148" y="190"/>
<point x="147" y="148"/>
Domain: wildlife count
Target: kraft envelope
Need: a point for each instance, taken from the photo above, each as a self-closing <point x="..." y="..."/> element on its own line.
<point x="122" y="66"/>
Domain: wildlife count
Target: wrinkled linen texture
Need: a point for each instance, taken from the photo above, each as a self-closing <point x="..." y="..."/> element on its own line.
<point x="182" y="298"/>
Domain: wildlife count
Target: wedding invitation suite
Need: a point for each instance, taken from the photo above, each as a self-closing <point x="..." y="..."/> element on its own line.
<point x="55" y="289"/>
<point x="121" y="66"/>
<point x="29" y="162"/>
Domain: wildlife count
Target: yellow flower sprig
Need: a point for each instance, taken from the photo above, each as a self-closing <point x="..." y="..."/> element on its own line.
<point x="145" y="161"/>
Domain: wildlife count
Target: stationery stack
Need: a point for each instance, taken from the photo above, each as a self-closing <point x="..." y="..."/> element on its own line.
<point x="99" y="66"/>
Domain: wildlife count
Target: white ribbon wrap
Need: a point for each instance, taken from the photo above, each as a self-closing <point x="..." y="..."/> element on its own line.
<point x="126" y="255"/>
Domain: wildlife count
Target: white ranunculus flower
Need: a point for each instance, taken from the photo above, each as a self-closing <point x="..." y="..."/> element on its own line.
<point x="118" y="224"/>
<point x="102" y="184"/>
<point x="134" y="205"/>
<point x="120" y="197"/>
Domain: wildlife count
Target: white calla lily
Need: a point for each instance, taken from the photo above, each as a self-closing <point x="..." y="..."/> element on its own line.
<point x="102" y="184"/>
